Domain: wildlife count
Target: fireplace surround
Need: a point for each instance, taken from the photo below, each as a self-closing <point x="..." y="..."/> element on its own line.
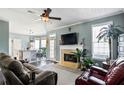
<point x="67" y="58"/>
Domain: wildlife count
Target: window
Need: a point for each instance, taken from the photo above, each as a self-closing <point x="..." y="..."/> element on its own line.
<point x="99" y="50"/>
<point x="52" y="49"/>
<point x="37" y="44"/>
<point x="43" y="43"/>
<point x="52" y="45"/>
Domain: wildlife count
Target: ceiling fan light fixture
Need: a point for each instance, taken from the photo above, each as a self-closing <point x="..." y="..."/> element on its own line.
<point x="45" y="19"/>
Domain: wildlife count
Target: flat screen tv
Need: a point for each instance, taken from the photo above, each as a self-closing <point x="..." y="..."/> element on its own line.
<point x="69" y="39"/>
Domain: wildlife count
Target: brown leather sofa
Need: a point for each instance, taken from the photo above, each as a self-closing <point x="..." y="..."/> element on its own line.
<point x="17" y="73"/>
<point x="100" y="76"/>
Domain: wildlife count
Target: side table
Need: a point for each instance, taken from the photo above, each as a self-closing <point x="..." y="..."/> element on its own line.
<point x="105" y="65"/>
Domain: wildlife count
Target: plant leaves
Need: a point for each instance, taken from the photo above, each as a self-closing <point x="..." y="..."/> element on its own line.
<point x="110" y="31"/>
<point x="101" y="36"/>
<point x="104" y="28"/>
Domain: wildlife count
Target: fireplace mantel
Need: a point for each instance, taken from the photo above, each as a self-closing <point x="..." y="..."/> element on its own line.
<point x="70" y="47"/>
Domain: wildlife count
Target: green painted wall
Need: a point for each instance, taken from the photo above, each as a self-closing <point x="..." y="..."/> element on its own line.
<point x="4" y="36"/>
<point x="85" y="31"/>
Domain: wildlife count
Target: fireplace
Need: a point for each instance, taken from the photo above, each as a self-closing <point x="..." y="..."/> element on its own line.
<point x="67" y="58"/>
<point x="70" y="58"/>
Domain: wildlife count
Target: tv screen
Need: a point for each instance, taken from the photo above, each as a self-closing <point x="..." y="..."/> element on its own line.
<point x="69" y="39"/>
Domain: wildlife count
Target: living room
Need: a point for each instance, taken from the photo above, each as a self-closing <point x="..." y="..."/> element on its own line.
<point x="48" y="47"/>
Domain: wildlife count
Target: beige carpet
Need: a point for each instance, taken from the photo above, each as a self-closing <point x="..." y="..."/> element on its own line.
<point x="66" y="76"/>
<point x="77" y="71"/>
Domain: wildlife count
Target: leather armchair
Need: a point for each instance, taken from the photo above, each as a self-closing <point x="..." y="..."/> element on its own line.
<point x="98" y="70"/>
<point x="17" y="73"/>
<point x="100" y="76"/>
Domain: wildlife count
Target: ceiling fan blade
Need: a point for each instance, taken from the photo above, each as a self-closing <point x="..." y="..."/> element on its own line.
<point x="56" y="18"/>
<point x="48" y="10"/>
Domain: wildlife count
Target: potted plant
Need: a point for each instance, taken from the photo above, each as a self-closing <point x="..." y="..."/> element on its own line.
<point x="41" y="53"/>
<point x="78" y="54"/>
<point x="86" y="63"/>
<point x="110" y="33"/>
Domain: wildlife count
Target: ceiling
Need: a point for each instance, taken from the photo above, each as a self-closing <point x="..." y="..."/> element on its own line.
<point x="22" y="22"/>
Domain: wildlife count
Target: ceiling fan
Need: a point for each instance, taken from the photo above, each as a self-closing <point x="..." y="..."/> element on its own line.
<point x="45" y="16"/>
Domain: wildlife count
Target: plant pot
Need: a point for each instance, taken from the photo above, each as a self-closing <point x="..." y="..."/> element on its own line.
<point x="79" y="66"/>
<point x="83" y="69"/>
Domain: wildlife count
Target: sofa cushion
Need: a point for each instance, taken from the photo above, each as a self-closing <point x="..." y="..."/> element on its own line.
<point x="116" y="75"/>
<point x="119" y="60"/>
<point x="18" y="69"/>
<point x="96" y="80"/>
<point x="114" y="64"/>
<point x="5" y="60"/>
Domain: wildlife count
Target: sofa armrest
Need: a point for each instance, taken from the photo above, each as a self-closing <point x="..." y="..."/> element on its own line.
<point x="98" y="70"/>
<point x="31" y="68"/>
<point x="46" y="78"/>
<point x="12" y="78"/>
<point x="96" y="81"/>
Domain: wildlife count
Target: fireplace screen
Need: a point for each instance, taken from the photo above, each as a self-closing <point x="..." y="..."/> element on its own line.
<point x="70" y="57"/>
